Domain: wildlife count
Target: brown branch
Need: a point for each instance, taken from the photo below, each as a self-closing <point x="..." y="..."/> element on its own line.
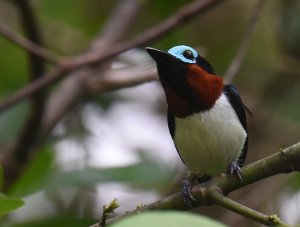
<point x="93" y="85"/>
<point x="69" y="65"/>
<point x="64" y="99"/>
<point x="119" y="23"/>
<point x="28" y="45"/>
<point x="284" y="161"/>
<point x="45" y="80"/>
<point x="75" y="87"/>
<point x="182" y="15"/>
<point x="20" y="152"/>
<point x="245" y="43"/>
<point x="36" y="68"/>
<point x="117" y="79"/>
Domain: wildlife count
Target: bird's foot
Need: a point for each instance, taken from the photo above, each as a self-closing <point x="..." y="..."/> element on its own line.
<point x="234" y="169"/>
<point x="187" y="193"/>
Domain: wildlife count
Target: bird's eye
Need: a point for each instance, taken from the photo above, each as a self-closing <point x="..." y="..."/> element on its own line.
<point x="188" y="54"/>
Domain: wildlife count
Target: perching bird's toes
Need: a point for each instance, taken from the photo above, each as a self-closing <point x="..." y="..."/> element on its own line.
<point x="234" y="169"/>
<point x="187" y="193"/>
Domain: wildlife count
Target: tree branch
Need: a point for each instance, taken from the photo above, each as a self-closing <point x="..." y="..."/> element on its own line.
<point x="254" y="199"/>
<point x="28" y="45"/>
<point x="92" y="57"/>
<point x="284" y="161"/>
<point x="217" y="198"/>
<point x="35" y="86"/>
<point x="20" y="151"/>
<point x="65" y="97"/>
<point x="75" y="87"/>
<point x="117" y="79"/>
<point x="119" y="23"/>
<point x="245" y="43"/>
<point x="36" y="68"/>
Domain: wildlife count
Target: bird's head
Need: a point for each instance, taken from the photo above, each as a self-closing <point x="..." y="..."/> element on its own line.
<point x="188" y="79"/>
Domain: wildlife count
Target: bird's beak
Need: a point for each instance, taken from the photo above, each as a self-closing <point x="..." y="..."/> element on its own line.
<point x="167" y="63"/>
<point x="158" y="55"/>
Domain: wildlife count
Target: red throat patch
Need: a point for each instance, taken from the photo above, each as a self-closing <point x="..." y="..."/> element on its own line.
<point x="206" y="88"/>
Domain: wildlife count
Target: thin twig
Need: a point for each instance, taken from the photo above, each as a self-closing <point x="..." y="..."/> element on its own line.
<point x="254" y="199"/>
<point x="217" y="198"/>
<point x="107" y="210"/>
<point x="117" y="79"/>
<point x="32" y="88"/>
<point x="184" y="14"/>
<point x="245" y="43"/>
<point x="28" y="45"/>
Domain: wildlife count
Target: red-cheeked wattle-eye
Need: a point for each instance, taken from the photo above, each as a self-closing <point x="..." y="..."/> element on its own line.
<point x="206" y="118"/>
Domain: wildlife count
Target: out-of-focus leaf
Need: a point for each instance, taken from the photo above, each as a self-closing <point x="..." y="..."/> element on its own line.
<point x="11" y="120"/>
<point x="1" y="176"/>
<point x="13" y="67"/>
<point x="164" y="8"/>
<point x="289" y="27"/>
<point x="69" y="14"/>
<point x="40" y="176"/>
<point x="144" y="174"/>
<point x="167" y="218"/>
<point x="8" y="204"/>
<point x="56" y="221"/>
<point x="35" y="176"/>
<point x="294" y="183"/>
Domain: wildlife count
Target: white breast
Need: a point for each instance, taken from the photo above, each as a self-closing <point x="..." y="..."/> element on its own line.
<point x="208" y="142"/>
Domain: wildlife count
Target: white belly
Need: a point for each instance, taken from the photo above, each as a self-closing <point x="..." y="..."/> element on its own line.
<point x="208" y="142"/>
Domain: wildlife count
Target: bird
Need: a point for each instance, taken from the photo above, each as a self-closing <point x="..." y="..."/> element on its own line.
<point x="206" y="118"/>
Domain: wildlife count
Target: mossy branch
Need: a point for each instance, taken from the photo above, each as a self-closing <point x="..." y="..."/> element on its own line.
<point x="212" y="192"/>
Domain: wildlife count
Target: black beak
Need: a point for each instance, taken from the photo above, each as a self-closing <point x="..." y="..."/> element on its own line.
<point x="159" y="55"/>
<point x="169" y="67"/>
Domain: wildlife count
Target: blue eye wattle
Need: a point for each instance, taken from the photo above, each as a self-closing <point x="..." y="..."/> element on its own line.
<point x="184" y="53"/>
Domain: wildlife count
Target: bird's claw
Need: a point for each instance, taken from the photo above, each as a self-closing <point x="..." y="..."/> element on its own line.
<point x="234" y="169"/>
<point x="187" y="193"/>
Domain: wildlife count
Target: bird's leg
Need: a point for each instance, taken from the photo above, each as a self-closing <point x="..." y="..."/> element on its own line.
<point x="234" y="169"/>
<point x="187" y="192"/>
<point x="187" y="187"/>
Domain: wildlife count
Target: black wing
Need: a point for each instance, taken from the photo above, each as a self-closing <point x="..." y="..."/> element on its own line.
<point x="171" y="125"/>
<point x="235" y="100"/>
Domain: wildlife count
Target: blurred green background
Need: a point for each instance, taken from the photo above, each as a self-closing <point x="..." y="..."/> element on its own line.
<point x="73" y="173"/>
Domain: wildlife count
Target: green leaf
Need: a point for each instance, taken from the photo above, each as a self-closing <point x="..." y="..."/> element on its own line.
<point x="35" y="176"/>
<point x="11" y="120"/>
<point x="167" y="218"/>
<point x="293" y="185"/>
<point x="8" y="204"/>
